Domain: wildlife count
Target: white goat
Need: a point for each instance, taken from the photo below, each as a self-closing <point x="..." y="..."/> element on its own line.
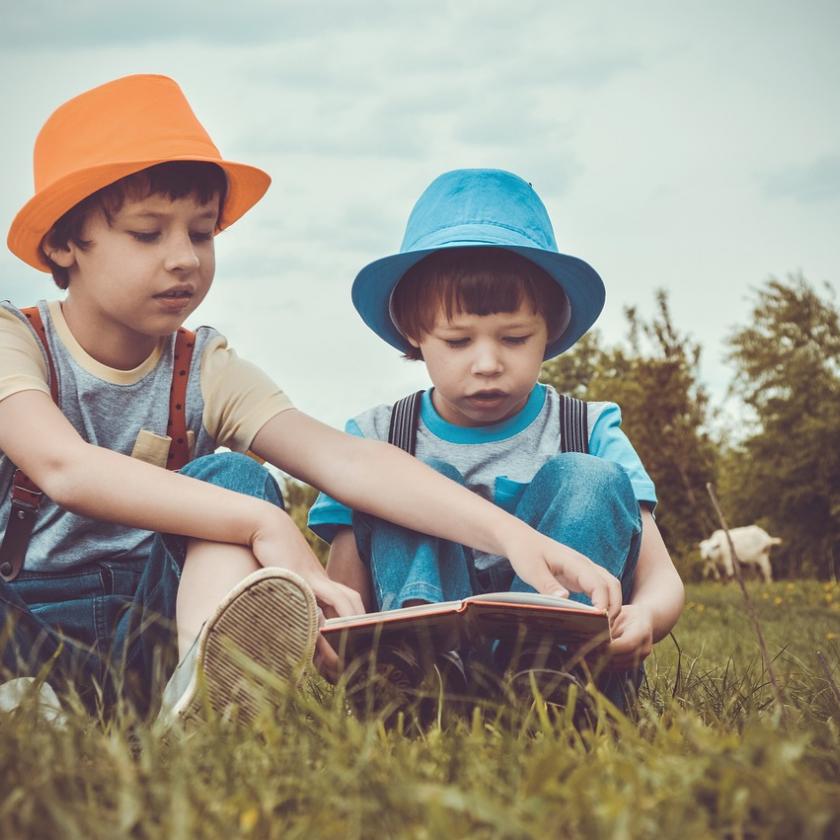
<point x="752" y="546"/>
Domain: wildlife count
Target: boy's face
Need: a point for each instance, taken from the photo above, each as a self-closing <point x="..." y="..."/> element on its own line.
<point x="483" y="367"/>
<point x="143" y="273"/>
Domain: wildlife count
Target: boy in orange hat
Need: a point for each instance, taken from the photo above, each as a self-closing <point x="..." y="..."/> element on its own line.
<point x="117" y="517"/>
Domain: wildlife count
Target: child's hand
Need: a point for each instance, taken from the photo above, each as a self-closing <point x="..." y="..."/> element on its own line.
<point x="278" y="542"/>
<point x="326" y="660"/>
<point x="555" y="569"/>
<point x="632" y="641"/>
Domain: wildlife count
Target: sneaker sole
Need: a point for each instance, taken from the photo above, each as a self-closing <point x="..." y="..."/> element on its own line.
<point x="269" y="619"/>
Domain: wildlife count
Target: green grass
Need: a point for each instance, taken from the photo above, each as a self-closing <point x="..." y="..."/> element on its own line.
<point x="710" y="755"/>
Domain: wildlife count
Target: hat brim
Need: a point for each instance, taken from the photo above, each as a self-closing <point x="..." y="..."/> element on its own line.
<point x="246" y="186"/>
<point x="583" y="286"/>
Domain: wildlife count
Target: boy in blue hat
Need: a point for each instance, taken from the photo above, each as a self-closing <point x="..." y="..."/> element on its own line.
<point x="480" y="293"/>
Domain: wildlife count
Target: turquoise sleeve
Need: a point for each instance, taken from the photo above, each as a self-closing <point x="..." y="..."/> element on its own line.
<point x="327" y="515"/>
<point x="607" y="440"/>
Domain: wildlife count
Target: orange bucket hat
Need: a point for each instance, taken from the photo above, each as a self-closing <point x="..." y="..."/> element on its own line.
<point x="112" y="131"/>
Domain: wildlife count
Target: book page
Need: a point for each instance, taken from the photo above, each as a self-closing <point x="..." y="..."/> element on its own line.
<point x="531" y="599"/>
<point x="393" y="615"/>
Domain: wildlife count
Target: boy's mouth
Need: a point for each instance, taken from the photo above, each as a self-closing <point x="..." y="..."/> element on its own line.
<point x="171" y="294"/>
<point x="487" y="396"/>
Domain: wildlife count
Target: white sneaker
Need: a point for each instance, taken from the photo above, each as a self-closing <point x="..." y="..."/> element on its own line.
<point x="13" y="693"/>
<point x="269" y="621"/>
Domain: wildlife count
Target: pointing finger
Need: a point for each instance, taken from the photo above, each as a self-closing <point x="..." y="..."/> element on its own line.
<point x="615" y="597"/>
<point x="599" y="595"/>
<point x="545" y="583"/>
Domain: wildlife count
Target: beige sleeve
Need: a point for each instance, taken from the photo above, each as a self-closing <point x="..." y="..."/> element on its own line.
<point x="239" y="399"/>
<point x="22" y="365"/>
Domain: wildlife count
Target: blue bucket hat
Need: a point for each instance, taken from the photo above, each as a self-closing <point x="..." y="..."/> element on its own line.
<point x="480" y="208"/>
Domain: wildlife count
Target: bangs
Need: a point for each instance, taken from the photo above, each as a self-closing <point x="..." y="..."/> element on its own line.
<point x="175" y="179"/>
<point x="473" y="281"/>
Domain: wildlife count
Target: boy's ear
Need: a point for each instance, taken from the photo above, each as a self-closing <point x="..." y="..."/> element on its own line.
<point x="414" y="352"/>
<point x="62" y="255"/>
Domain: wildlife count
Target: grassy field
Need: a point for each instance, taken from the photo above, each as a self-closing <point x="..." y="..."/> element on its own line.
<point x="711" y="754"/>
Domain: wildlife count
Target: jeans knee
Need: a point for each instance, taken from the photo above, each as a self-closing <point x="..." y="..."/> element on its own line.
<point x="598" y="476"/>
<point x="236" y="472"/>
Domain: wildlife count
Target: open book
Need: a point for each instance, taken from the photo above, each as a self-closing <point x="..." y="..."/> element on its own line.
<point x="454" y="624"/>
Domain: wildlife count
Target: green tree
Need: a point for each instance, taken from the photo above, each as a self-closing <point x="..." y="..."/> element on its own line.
<point x="571" y="372"/>
<point x="654" y="378"/>
<point x="786" y="472"/>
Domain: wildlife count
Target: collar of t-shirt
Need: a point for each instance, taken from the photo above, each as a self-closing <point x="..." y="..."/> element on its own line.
<point x="482" y="434"/>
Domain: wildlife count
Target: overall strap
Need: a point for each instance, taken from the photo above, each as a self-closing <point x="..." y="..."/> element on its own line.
<point x="405" y="415"/>
<point x="179" y="448"/>
<point x="26" y="495"/>
<point x="574" y="425"/>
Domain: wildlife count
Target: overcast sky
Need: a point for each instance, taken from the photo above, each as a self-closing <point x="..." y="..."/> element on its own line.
<point x="690" y="146"/>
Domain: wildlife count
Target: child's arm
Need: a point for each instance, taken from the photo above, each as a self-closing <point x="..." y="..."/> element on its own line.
<point x="655" y="605"/>
<point x="345" y="566"/>
<point x="101" y="484"/>
<point x="378" y="478"/>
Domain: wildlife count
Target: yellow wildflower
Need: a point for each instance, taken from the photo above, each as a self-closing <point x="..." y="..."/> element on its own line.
<point x="248" y="819"/>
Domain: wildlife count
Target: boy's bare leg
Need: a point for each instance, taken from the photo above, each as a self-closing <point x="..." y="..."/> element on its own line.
<point x="345" y="566"/>
<point x="211" y="570"/>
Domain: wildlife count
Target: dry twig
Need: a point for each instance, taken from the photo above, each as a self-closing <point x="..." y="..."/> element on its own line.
<point x="751" y="610"/>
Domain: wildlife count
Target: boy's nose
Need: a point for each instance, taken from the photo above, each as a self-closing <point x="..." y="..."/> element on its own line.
<point x="486" y="362"/>
<point x="182" y="256"/>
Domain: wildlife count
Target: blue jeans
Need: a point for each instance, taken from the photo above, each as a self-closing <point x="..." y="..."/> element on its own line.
<point x="582" y="501"/>
<point x="110" y="625"/>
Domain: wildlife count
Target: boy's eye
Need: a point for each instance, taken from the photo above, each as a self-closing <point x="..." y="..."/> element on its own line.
<point x="143" y="236"/>
<point x="457" y="342"/>
<point x="201" y="236"/>
<point x="516" y="339"/>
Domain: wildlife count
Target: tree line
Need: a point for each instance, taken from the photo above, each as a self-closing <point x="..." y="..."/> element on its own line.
<point x="773" y="454"/>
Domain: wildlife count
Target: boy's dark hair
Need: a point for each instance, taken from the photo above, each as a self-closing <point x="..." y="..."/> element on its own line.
<point x="174" y="179"/>
<point x="476" y="281"/>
